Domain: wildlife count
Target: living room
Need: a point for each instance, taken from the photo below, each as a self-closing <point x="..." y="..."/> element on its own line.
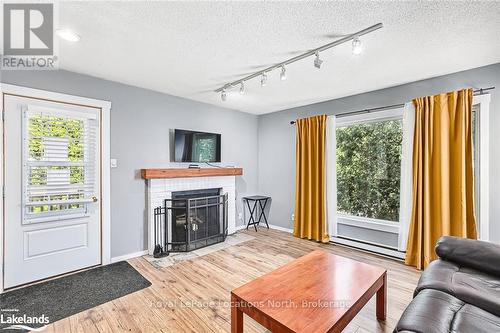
<point x="250" y="166"/>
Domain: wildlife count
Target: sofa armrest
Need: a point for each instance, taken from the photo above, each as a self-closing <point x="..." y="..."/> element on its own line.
<point x="479" y="255"/>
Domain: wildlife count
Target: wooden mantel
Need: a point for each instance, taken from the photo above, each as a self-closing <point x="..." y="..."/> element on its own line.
<point x="187" y="172"/>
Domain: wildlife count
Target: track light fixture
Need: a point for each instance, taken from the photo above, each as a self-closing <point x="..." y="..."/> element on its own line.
<point x="356" y="49"/>
<point x="263" y="80"/>
<point x="317" y="61"/>
<point x="357" y="46"/>
<point x="283" y="73"/>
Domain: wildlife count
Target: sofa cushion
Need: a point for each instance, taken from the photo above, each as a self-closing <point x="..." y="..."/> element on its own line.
<point x="469" y="285"/>
<point x="433" y="311"/>
<point x="480" y="255"/>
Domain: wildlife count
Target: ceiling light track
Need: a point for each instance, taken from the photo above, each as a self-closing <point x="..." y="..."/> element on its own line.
<point x="313" y="52"/>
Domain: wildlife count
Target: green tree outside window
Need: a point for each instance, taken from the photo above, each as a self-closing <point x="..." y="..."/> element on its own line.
<point x="369" y="169"/>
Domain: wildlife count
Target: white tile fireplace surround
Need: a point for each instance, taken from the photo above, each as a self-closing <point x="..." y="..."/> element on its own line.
<point x="162" y="188"/>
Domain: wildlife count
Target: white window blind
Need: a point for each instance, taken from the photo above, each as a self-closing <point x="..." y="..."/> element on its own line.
<point x="59" y="163"/>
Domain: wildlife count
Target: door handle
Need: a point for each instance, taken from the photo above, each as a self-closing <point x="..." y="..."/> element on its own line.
<point x="94" y="199"/>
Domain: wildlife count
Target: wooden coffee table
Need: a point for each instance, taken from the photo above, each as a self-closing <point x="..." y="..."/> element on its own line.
<point x="319" y="292"/>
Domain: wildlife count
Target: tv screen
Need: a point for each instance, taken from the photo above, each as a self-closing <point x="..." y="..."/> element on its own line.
<point x="196" y="147"/>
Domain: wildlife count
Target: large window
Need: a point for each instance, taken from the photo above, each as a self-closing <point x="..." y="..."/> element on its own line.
<point x="367" y="156"/>
<point x="369" y="175"/>
<point x="369" y="169"/>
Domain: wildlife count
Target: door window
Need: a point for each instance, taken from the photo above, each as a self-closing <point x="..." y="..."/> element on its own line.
<point x="59" y="165"/>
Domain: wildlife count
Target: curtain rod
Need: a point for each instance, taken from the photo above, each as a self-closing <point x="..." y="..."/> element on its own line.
<point x="480" y="91"/>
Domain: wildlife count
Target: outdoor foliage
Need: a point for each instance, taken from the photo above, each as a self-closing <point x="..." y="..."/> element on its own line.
<point x="50" y="126"/>
<point x="368" y="169"/>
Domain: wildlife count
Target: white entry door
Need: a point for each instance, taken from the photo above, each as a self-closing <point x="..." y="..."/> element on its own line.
<point x="52" y="179"/>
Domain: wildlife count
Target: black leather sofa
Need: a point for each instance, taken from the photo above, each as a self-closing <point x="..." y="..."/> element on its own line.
<point x="459" y="292"/>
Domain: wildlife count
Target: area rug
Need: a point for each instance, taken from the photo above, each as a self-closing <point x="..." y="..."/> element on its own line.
<point x="37" y="305"/>
<point x="174" y="258"/>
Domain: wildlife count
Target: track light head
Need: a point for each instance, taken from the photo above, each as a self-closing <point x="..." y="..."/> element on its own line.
<point x="223" y="95"/>
<point x="317" y="61"/>
<point x="357" y="46"/>
<point x="263" y="80"/>
<point x="242" y="88"/>
<point x="283" y="73"/>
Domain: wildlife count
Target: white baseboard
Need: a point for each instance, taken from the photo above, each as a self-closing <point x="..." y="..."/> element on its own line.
<point x="129" y="256"/>
<point x="277" y="227"/>
<point x="141" y="253"/>
<point x="346" y="242"/>
<point x="271" y="226"/>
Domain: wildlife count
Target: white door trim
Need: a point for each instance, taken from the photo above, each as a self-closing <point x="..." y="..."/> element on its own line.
<point x="105" y="106"/>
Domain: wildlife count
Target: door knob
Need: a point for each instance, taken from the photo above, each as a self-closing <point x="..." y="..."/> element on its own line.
<point x="94" y="199"/>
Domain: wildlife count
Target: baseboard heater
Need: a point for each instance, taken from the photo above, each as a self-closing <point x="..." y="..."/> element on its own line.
<point x="368" y="247"/>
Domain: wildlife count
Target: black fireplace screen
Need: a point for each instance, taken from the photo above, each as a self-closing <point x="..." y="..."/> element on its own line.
<point x="185" y="224"/>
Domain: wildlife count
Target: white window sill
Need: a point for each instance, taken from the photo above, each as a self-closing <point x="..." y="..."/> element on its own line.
<point x="368" y="223"/>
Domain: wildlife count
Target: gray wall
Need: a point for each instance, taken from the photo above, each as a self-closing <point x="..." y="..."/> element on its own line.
<point x="277" y="136"/>
<point x="264" y="146"/>
<point x="140" y="123"/>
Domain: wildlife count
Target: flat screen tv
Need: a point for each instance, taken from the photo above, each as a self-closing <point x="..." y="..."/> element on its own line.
<point x="191" y="146"/>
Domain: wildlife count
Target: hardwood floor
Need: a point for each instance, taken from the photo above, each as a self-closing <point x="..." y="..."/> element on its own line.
<point x="194" y="295"/>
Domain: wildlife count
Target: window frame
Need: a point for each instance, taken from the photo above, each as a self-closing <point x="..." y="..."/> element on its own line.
<point x="482" y="212"/>
<point x="42" y="217"/>
<point x="366" y="222"/>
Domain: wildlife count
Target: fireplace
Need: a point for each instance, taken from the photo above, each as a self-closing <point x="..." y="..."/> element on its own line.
<point x="161" y="183"/>
<point x="190" y="220"/>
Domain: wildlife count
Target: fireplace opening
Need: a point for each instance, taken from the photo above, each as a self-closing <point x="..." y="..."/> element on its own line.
<point x="204" y="222"/>
<point x="190" y="220"/>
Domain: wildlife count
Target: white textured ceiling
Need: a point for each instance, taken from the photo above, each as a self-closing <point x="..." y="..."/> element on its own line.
<point x="189" y="48"/>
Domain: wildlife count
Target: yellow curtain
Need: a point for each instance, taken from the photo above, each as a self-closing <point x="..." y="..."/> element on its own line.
<point x="443" y="202"/>
<point x="310" y="193"/>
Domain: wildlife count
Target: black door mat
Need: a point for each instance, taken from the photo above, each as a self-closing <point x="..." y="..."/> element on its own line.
<point x="62" y="297"/>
